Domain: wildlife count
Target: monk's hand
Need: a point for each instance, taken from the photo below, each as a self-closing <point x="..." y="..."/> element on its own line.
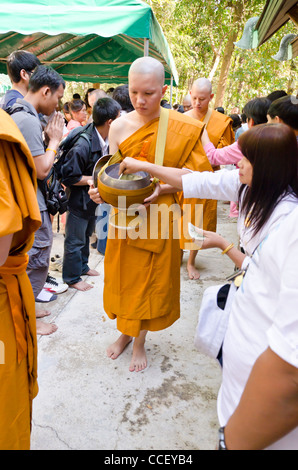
<point x="94" y="194"/>
<point x="151" y="199"/>
<point x="130" y="165"/>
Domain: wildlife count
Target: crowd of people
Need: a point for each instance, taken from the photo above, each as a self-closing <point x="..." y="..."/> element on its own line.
<point x="249" y="159"/>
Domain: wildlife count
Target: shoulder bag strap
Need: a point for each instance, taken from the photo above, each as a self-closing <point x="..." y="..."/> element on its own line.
<point x="161" y="136"/>
<point x="207" y="117"/>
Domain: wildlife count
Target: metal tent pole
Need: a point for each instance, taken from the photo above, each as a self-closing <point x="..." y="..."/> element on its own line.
<point x="171" y="91"/>
<point x="146" y="46"/>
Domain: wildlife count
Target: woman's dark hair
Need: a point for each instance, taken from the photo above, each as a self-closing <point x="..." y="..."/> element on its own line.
<point x="286" y="108"/>
<point x="273" y="153"/>
<point x="276" y="94"/>
<point x="76" y="105"/>
<point x="66" y="107"/>
<point x="121" y="95"/>
<point x="87" y="96"/>
<point x="105" y="109"/>
<point x="220" y="109"/>
<point x="236" y="121"/>
<point x="243" y="118"/>
<point x="45" y="76"/>
<point x="178" y="107"/>
<point x="257" y="110"/>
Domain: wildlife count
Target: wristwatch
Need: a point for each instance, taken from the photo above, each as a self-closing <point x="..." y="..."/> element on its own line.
<point x="221" y="439"/>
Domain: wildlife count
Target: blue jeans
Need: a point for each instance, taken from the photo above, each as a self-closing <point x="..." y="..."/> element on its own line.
<point x="102" y="219"/>
<point x="76" y="247"/>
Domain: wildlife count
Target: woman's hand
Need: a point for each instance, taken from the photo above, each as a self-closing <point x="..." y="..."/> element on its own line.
<point x="204" y="137"/>
<point x="94" y="194"/>
<point x="214" y="240"/>
<point x="131" y="165"/>
<point x="211" y="240"/>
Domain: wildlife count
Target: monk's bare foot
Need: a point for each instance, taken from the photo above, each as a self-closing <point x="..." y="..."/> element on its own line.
<point x="42" y="313"/>
<point x="118" y="347"/>
<point x="139" y="358"/>
<point x="45" y="328"/>
<point x="92" y="272"/>
<point x="193" y="273"/>
<point x="81" y="285"/>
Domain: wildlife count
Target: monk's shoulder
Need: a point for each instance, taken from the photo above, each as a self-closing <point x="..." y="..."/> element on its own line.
<point x="123" y="120"/>
<point x="124" y="126"/>
<point x="220" y="117"/>
<point x="184" y="120"/>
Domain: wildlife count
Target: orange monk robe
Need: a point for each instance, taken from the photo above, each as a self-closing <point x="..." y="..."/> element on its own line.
<point x="221" y="134"/>
<point x="142" y="276"/>
<point x="220" y="130"/>
<point x="20" y="216"/>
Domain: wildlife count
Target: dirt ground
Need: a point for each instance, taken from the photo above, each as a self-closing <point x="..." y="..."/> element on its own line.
<point x="87" y="401"/>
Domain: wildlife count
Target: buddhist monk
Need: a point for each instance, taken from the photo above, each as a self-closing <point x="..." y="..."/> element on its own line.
<point x="220" y="132"/>
<point x="186" y="103"/>
<point x="20" y="218"/>
<point x="142" y="276"/>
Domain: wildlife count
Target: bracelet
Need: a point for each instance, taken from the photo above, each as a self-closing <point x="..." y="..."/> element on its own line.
<point x="227" y="249"/>
<point x="53" y="150"/>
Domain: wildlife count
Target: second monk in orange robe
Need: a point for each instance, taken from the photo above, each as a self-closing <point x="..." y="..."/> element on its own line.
<point x="221" y="134"/>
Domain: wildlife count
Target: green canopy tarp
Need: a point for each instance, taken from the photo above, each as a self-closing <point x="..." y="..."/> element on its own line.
<point x="84" y="40"/>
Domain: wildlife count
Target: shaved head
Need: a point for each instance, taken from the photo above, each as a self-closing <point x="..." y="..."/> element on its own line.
<point x="148" y="66"/>
<point x="146" y="85"/>
<point x="203" y="84"/>
<point x="95" y="95"/>
<point x="201" y="95"/>
<point x="186" y="103"/>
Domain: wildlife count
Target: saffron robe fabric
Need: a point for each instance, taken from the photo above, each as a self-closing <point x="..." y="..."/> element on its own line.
<point x="220" y="131"/>
<point x="142" y="275"/>
<point x="221" y="134"/>
<point x="20" y="216"/>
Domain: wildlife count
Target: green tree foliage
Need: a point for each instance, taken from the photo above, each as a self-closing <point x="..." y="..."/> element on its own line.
<point x="198" y="32"/>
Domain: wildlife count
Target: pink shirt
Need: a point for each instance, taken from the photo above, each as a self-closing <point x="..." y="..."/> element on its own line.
<point x="72" y="124"/>
<point x="231" y="154"/>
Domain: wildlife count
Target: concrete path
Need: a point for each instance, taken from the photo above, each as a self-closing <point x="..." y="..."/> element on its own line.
<point x="87" y="401"/>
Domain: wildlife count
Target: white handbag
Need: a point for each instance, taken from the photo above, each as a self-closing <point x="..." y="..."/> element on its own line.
<point x="213" y="318"/>
<point x="215" y="312"/>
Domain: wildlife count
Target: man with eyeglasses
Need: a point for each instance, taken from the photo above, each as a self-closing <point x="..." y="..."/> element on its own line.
<point x="20" y="66"/>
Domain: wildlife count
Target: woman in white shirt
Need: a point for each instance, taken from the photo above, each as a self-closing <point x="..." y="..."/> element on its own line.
<point x="265" y="185"/>
<point x="258" y="398"/>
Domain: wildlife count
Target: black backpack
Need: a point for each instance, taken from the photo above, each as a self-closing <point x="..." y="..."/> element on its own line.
<point x="53" y="192"/>
<point x="84" y="132"/>
<point x="51" y="187"/>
